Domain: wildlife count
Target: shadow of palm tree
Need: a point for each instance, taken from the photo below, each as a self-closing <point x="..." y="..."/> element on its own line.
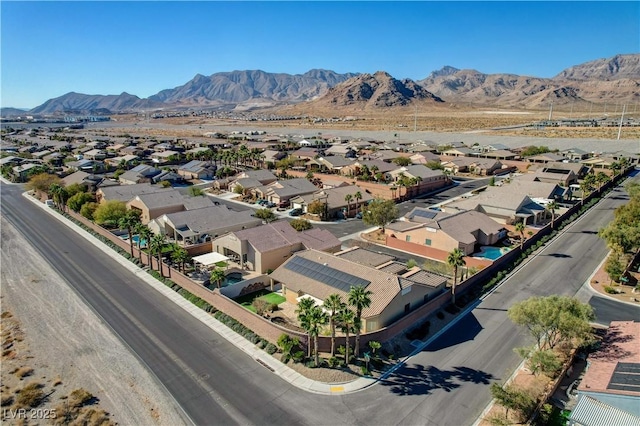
<point x="418" y="380"/>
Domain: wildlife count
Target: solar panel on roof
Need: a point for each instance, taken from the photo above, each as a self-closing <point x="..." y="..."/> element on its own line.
<point x="428" y="214"/>
<point x="325" y="274"/>
<point x="625" y="377"/>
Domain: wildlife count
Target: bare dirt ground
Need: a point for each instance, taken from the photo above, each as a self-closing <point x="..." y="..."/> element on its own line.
<point x="67" y="347"/>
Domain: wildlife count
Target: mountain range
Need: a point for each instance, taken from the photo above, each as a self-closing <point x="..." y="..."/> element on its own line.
<point x="615" y="79"/>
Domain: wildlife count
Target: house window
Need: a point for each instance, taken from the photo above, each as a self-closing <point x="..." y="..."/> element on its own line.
<point x="408" y="238"/>
<point x="427" y="242"/>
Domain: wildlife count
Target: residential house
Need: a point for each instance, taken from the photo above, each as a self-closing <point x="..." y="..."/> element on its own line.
<point x="575" y="154"/>
<point x="316" y="275"/>
<point x="272" y="156"/>
<point x="162" y="157"/>
<point x="264" y="248"/>
<point x="139" y="174"/>
<point x="424" y="157"/>
<point x="459" y="152"/>
<point x="305" y="154"/>
<point x="457" y="165"/>
<point x="374" y="166"/>
<point x="126" y="160"/>
<point x="127" y="192"/>
<point x="197" y="169"/>
<point x="486" y="167"/>
<point x="337" y="206"/>
<point x="501" y="154"/>
<point x="579" y="170"/>
<point x="519" y="200"/>
<point x="281" y="191"/>
<point x="265" y="177"/>
<point x="612" y="378"/>
<point x="95" y="154"/>
<point x="86" y="165"/>
<point x="333" y="163"/>
<point x="465" y="230"/>
<point x="22" y="172"/>
<point x="203" y="224"/>
<point x="156" y="204"/>
<point x="428" y="180"/>
<point x="548" y="157"/>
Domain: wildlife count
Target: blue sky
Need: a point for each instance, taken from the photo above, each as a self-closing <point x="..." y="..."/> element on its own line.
<point x="52" y="48"/>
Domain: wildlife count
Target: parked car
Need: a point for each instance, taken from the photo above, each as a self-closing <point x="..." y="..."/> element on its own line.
<point x="295" y="212"/>
<point x="358" y="215"/>
<point x="270" y="205"/>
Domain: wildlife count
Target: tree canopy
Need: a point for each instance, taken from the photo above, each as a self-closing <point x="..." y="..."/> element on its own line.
<point x="110" y="212"/>
<point x="300" y="224"/>
<point x="42" y="182"/>
<point x="553" y="319"/>
<point x="624" y="230"/>
<point x="265" y="214"/>
<point x="380" y="212"/>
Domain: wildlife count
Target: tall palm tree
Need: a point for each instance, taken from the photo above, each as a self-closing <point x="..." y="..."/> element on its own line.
<point x="180" y="256"/>
<point x="156" y="245"/>
<point x="359" y="298"/>
<point x="601" y="178"/>
<point x="144" y="233"/>
<point x="357" y="196"/>
<point x="334" y="305"/>
<point x="129" y="222"/>
<point x="346" y="320"/>
<point x="455" y="259"/>
<point x="348" y="199"/>
<point x="304" y="307"/>
<point x="520" y="227"/>
<point x="217" y="275"/>
<point x="616" y="167"/>
<point x="316" y="318"/>
<point x="552" y="207"/>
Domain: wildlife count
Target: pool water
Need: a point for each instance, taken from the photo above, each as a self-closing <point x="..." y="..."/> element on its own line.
<point x="231" y="279"/>
<point x="491" y="253"/>
<point x="135" y="238"/>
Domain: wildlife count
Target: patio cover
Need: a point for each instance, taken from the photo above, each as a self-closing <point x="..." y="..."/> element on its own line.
<point x="209" y="259"/>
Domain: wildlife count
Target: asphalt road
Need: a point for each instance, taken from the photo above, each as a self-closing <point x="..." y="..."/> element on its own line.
<point x="445" y="384"/>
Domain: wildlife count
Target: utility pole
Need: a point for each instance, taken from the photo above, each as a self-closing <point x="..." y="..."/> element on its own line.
<point x="550" y="111"/>
<point x="621" y="118"/>
<point x="415" y="119"/>
<point x="590" y="108"/>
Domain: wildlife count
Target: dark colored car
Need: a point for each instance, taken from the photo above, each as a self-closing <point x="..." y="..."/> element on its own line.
<point x="295" y="212"/>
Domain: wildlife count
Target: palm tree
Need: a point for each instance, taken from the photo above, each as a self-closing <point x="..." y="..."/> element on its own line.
<point x="59" y="195"/>
<point x="217" y="275"/>
<point x="348" y="199"/>
<point x="346" y="319"/>
<point x="180" y="256"/>
<point x="552" y="207"/>
<point x="304" y="307"/>
<point x="334" y="305"/>
<point x="144" y="233"/>
<point x="586" y="186"/>
<point x="156" y="245"/>
<point x="359" y="298"/>
<point x="520" y="227"/>
<point x="616" y="167"/>
<point x="316" y="318"/>
<point x="601" y="178"/>
<point x="455" y="259"/>
<point x="357" y="196"/>
<point x="129" y="222"/>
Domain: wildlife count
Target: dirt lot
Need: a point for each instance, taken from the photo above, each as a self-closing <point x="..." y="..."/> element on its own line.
<point x="52" y="339"/>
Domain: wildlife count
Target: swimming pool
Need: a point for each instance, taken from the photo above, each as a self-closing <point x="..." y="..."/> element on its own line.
<point x="231" y="279"/>
<point x="143" y="242"/>
<point x="491" y="253"/>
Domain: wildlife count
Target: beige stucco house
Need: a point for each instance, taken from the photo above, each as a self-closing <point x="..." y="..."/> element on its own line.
<point x="266" y="247"/>
<point x="316" y="274"/>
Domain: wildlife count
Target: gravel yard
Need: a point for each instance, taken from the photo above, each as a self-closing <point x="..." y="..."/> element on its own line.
<point x="69" y="347"/>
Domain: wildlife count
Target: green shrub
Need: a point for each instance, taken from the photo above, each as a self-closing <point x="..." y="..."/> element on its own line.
<point x="364" y="371"/>
<point x="334" y="362"/>
<point x="610" y="290"/>
<point x="79" y="397"/>
<point x="271" y="349"/>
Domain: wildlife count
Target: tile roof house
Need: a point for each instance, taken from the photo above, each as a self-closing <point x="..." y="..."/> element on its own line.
<point x="156" y="204"/>
<point x="127" y="192"/>
<point x="464" y="230"/>
<point x="318" y="274"/>
<point x="613" y="371"/>
<point x="282" y="191"/>
<point x="266" y="247"/>
<point x="197" y="169"/>
<point x="513" y="202"/>
<point x="139" y="174"/>
<point x="379" y="166"/>
<point x="548" y="157"/>
<point x="194" y="226"/>
<point x="335" y="199"/>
